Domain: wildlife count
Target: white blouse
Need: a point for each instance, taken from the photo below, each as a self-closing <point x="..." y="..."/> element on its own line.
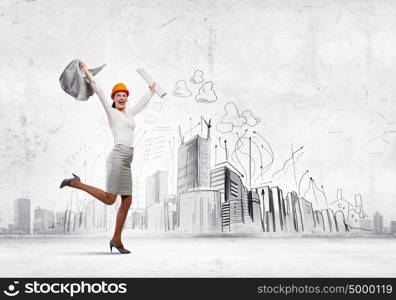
<point x="122" y="124"/>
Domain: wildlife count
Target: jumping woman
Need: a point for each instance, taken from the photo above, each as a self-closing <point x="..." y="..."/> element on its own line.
<point x="118" y="165"/>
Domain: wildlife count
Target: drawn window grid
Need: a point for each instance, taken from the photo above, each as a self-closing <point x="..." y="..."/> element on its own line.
<point x="234" y="188"/>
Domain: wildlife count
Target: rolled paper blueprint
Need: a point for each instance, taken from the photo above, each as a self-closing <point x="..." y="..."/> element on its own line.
<point x="158" y="90"/>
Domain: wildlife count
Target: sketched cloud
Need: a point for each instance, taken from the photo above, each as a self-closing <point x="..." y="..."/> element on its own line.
<point x="197" y="77"/>
<point x="181" y="89"/>
<point x="206" y="93"/>
<point x="232" y="115"/>
<point x="224" y="127"/>
<point x="231" y="119"/>
<point x="250" y="119"/>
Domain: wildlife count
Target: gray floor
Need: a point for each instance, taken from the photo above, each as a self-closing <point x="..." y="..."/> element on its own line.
<point x="192" y="256"/>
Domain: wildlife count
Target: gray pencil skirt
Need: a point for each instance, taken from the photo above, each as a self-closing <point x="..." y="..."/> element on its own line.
<point x="118" y="170"/>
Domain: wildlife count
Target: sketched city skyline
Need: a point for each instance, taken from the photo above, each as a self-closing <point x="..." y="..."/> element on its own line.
<point x="211" y="197"/>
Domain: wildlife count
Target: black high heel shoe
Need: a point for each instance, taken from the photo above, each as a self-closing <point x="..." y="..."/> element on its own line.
<point x="120" y="248"/>
<point x="68" y="180"/>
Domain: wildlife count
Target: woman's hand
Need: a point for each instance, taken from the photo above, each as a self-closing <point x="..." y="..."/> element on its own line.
<point x="84" y="66"/>
<point x="152" y="88"/>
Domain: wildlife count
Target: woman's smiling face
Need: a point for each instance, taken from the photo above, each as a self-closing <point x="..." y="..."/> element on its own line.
<point x="120" y="99"/>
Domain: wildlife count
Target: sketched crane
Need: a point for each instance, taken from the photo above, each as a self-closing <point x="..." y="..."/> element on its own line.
<point x="181" y="136"/>
<point x="208" y="125"/>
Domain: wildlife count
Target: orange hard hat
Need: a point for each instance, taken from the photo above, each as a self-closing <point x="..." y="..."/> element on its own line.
<point x="119" y="87"/>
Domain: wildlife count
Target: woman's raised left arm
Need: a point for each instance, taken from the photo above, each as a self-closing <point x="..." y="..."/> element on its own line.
<point x="138" y="107"/>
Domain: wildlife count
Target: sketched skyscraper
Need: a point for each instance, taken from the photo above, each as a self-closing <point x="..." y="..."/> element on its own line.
<point x="231" y="188"/>
<point x="193" y="164"/>
<point x="157" y="209"/>
<point x="378" y="223"/>
<point x="240" y="208"/>
<point x="22" y="215"/>
<point x="307" y="215"/>
<point x="156" y="188"/>
<point x="278" y="209"/>
<point x="254" y="208"/>
<point x="44" y="221"/>
<point x="200" y="210"/>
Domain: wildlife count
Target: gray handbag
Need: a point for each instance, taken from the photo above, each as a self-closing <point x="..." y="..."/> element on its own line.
<point x="75" y="82"/>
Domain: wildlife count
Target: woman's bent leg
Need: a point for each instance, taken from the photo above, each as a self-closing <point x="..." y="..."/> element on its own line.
<point x="99" y="194"/>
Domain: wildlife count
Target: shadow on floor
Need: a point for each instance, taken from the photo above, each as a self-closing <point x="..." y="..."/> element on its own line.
<point x="92" y="253"/>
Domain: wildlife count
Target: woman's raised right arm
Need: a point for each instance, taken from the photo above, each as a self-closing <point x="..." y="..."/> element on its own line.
<point x="98" y="90"/>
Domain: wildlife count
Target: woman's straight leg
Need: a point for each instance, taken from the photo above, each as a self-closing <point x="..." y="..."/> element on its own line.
<point x="126" y="201"/>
